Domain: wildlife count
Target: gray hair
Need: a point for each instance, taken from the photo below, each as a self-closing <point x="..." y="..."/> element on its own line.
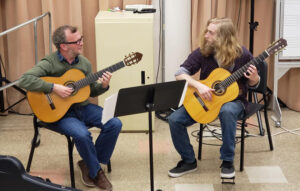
<point x="59" y="36"/>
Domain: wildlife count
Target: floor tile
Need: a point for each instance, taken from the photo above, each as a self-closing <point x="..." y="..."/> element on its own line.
<point x="265" y="174"/>
<point x="194" y="187"/>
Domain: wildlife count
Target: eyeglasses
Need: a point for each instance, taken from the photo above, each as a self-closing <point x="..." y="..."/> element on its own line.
<point x="74" y="42"/>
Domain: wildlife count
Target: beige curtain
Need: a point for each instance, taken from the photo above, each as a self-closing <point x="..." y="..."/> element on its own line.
<point x="17" y="48"/>
<point x="239" y="12"/>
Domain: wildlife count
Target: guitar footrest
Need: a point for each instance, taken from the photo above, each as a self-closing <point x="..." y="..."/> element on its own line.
<point x="228" y="180"/>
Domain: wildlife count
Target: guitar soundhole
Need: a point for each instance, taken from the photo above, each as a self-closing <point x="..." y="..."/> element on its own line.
<point x="219" y="89"/>
<point x="71" y="84"/>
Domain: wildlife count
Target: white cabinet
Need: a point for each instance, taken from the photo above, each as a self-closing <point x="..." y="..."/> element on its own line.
<point x="117" y="35"/>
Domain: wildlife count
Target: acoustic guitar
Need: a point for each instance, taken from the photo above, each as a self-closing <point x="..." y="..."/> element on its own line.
<point x="51" y="107"/>
<point x="225" y="86"/>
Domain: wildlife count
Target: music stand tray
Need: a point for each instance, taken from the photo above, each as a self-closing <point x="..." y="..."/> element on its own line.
<point x="147" y="98"/>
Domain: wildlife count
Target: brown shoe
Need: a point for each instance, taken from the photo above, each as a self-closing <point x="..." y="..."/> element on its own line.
<point x="102" y="182"/>
<point x="84" y="171"/>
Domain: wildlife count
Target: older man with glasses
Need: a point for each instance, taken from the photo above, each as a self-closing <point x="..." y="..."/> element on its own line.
<point x="81" y="116"/>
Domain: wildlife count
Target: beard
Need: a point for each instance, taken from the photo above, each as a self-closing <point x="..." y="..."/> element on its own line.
<point x="75" y="52"/>
<point x="209" y="48"/>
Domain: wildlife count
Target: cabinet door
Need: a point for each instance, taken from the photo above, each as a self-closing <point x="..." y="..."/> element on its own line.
<point x="115" y="39"/>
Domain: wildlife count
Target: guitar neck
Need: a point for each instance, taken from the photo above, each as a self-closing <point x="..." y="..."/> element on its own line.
<point x="94" y="77"/>
<point x="240" y="72"/>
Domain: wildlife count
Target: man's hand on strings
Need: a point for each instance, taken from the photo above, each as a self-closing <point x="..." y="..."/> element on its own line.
<point x="105" y="79"/>
<point x="252" y="75"/>
<point x="62" y="91"/>
<point x="205" y="91"/>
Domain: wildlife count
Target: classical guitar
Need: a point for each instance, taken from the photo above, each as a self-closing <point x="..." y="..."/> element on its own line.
<point x="225" y="86"/>
<point x="51" y="107"/>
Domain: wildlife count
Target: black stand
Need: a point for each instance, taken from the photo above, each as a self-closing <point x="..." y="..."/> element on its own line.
<point x="2" y="109"/>
<point x="3" y="79"/>
<point x="149" y="98"/>
<point x="253" y="27"/>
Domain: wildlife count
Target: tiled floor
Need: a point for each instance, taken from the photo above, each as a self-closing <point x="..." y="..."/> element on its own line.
<point x="194" y="187"/>
<point x="265" y="174"/>
<point x="264" y="169"/>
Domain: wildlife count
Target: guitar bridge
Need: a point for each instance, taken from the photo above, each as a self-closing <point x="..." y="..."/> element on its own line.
<point x="201" y="101"/>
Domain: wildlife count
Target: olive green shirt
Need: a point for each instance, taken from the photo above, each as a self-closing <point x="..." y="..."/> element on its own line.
<point x="52" y="66"/>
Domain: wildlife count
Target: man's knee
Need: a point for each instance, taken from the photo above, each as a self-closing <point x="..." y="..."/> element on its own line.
<point x="172" y="119"/>
<point x="226" y="111"/>
<point x="115" y="124"/>
<point x="82" y="135"/>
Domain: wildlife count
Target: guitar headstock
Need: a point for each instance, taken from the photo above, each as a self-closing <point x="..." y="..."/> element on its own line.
<point x="132" y="58"/>
<point x="277" y="46"/>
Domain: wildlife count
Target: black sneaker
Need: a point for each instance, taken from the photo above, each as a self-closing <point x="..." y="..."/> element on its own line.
<point x="227" y="169"/>
<point x="183" y="168"/>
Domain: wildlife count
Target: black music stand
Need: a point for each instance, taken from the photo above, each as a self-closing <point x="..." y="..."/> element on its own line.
<point x="4" y="79"/>
<point x="253" y="27"/>
<point x="148" y="98"/>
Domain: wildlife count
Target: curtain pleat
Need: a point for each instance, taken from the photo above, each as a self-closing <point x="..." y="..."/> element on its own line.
<point x="17" y="48"/>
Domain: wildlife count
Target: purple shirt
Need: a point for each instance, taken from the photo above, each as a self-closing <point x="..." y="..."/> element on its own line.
<point x="197" y="61"/>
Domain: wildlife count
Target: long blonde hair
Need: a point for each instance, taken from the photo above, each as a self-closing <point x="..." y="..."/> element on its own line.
<point x="226" y="47"/>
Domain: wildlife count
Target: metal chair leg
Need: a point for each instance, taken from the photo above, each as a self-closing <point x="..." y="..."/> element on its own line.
<point x="70" y="149"/>
<point x="200" y="142"/>
<point x="260" y="125"/>
<point x="109" y="167"/>
<point x="33" y="144"/>
<point x="267" y="124"/>
<point x="242" y="146"/>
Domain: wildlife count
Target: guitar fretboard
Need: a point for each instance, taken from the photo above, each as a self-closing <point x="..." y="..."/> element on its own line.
<point x="94" y="77"/>
<point x="240" y="72"/>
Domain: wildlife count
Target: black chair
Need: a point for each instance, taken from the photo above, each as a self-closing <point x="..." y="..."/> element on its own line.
<point x="36" y="142"/>
<point x="251" y="109"/>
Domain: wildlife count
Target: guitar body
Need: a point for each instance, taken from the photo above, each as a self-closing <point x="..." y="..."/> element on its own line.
<point x="225" y="85"/>
<point x="39" y="102"/>
<point x="212" y="108"/>
<point x="51" y="107"/>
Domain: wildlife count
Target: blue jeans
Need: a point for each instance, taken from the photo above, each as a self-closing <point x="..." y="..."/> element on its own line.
<point x="76" y="123"/>
<point x="179" y="120"/>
